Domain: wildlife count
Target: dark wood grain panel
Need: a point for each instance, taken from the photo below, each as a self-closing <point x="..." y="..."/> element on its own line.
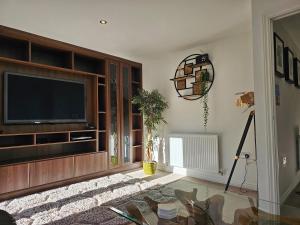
<point x="90" y="163"/>
<point x="51" y="171"/>
<point x="13" y="178"/>
<point x="57" y="184"/>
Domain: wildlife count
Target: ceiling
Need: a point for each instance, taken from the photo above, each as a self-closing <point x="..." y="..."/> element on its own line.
<point x="291" y="25"/>
<point x="136" y="28"/>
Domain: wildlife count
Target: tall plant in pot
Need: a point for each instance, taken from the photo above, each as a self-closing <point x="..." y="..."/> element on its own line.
<point x="152" y="105"/>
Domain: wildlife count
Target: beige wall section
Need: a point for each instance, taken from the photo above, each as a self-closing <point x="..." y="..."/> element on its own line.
<point x="232" y="59"/>
<point x="288" y="120"/>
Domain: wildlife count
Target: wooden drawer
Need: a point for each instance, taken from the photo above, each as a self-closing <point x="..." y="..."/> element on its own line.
<point x="90" y="163"/>
<point x="49" y="171"/>
<point x="13" y="178"/>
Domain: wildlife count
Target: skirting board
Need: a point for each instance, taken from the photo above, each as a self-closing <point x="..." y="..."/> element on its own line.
<point x="289" y="190"/>
<point x="217" y="178"/>
<point x="268" y="206"/>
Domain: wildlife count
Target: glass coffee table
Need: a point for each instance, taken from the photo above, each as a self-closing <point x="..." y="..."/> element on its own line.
<point x="197" y="204"/>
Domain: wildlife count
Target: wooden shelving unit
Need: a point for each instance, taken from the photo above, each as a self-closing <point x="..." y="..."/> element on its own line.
<point x="14" y="48"/>
<point x="47" y="67"/>
<point x="194" y="77"/>
<point x="183" y="78"/>
<point x="102" y="114"/>
<point x="196" y="65"/>
<point x="40" y="155"/>
<point x="31" y="142"/>
<point x="136" y="117"/>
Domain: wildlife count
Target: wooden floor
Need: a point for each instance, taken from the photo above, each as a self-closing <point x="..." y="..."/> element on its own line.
<point x="291" y="207"/>
<point x="138" y="173"/>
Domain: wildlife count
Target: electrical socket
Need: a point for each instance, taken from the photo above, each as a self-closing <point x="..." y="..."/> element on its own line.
<point x="284" y="161"/>
<point x="245" y="154"/>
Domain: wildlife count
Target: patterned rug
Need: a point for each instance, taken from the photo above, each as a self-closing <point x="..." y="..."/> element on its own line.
<point x="85" y="203"/>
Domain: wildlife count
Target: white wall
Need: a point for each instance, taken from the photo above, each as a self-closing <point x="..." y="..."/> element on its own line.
<point x="232" y="59"/>
<point x="288" y="120"/>
<point x="266" y="150"/>
<point x="266" y="164"/>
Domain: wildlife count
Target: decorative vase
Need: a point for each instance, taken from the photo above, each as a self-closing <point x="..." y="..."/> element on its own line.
<point x="149" y="167"/>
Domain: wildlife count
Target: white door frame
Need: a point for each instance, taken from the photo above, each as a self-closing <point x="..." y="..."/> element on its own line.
<point x="272" y="202"/>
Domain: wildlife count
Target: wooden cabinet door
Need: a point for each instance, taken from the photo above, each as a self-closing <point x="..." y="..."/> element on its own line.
<point x="90" y="163"/>
<point x="125" y="99"/>
<point x="114" y="114"/>
<point x="13" y="178"/>
<point x="49" y="171"/>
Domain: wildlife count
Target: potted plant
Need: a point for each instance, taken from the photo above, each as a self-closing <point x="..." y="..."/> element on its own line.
<point x="152" y="105"/>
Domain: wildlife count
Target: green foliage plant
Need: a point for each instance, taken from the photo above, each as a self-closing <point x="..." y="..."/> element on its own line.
<point x="152" y="105"/>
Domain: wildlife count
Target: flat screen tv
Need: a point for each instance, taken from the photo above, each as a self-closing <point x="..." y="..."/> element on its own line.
<point x="32" y="100"/>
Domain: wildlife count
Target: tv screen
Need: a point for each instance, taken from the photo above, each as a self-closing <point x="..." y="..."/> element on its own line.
<point x="32" y="99"/>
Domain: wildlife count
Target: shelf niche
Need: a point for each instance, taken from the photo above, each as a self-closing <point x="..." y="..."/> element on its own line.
<point x="137" y="154"/>
<point x="137" y="122"/>
<point x="51" y="138"/>
<point x="14" y="48"/>
<point x="101" y="81"/>
<point x="8" y="141"/>
<point x="101" y="99"/>
<point x="136" y="75"/>
<point x="89" y="64"/>
<point x="137" y="138"/>
<point x="102" y="121"/>
<point x="82" y="135"/>
<point x="41" y="152"/>
<point x="102" y="141"/>
<point x="51" y="56"/>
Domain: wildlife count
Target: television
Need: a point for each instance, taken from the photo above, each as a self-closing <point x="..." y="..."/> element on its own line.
<point x="30" y="99"/>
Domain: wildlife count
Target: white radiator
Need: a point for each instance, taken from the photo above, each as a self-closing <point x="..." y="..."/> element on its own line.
<point x="194" y="151"/>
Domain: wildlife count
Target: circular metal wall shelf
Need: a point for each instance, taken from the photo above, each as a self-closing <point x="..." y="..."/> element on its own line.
<point x="194" y="77"/>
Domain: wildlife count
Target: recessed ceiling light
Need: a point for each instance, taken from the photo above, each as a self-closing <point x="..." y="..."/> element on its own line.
<point x="103" y="22"/>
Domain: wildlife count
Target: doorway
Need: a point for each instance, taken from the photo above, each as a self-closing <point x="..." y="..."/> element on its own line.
<point x="286" y="42"/>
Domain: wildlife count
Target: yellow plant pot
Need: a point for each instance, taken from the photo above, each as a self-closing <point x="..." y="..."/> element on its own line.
<point x="114" y="160"/>
<point x="149" y="168"/>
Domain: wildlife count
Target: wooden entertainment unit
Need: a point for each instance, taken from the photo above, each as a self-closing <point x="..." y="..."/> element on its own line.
<point x="34" y="157"/>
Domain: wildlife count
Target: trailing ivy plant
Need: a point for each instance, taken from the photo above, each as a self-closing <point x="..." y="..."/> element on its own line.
<point x="152" y="105"/>
<point x="204" y="84"/>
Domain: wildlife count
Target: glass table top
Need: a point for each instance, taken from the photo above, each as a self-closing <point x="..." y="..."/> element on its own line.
<point x="197" y="204"/>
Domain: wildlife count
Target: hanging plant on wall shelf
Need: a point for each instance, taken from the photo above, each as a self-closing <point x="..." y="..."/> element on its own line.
<point x="204" y="86"/>
<point x="205" y="111"/>
<point x="193" y="80"/>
